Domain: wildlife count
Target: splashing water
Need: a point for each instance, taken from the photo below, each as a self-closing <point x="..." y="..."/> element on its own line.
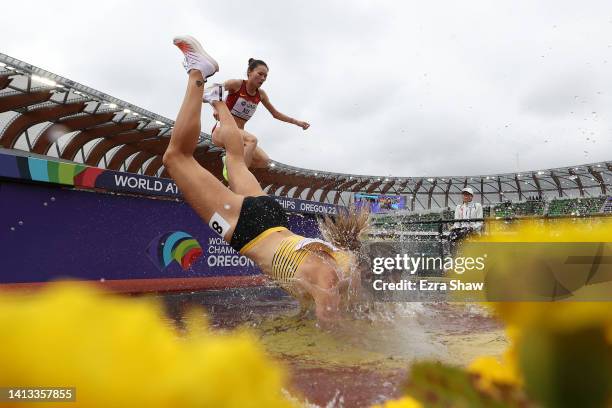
<point x="364" y="360"/>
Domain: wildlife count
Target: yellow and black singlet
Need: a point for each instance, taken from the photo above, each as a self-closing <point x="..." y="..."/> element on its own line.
<point x="291" y="253"/>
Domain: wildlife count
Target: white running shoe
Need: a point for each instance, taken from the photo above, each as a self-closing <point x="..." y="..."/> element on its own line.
<point x="195" y="56"/>
<point x="213" y="93"/>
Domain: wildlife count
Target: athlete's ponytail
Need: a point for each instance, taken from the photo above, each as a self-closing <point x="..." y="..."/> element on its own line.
<point x="254" y="63"/>
<point x="347" y="229"/>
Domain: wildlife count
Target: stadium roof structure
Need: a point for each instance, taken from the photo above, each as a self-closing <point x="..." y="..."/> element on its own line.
<point x="45" y="114"/>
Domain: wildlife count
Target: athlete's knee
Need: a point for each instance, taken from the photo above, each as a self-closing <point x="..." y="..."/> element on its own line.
<point x="171" y="156"/>
<point x="249" y="139"/>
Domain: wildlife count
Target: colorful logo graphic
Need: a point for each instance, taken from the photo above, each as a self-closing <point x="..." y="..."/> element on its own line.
<point x="29" y="168"/>
<point x="176" y="246"/>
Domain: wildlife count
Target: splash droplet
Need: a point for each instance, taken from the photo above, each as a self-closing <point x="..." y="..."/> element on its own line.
<point x="12" y="228"/>
<point x="52" y="198"/>
<point x="45" y="204"/>
<point x="20" y="223"/>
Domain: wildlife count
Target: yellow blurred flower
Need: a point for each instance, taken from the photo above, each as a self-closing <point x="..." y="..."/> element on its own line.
<point x="491" y="371"/>
<point x="562" y="316"/>
<point x="121" y="352"/>
<point x="559" y="315"/>
<point x="405" y="402"/>
<point x="546" y="334"/>
<point x="551" y="230"/>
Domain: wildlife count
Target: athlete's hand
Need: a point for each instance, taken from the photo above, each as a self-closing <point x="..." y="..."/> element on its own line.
<point x="303" y="125"/>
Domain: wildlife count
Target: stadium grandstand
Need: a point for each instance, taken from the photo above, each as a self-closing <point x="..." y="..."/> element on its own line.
<point x="44" y="114"/>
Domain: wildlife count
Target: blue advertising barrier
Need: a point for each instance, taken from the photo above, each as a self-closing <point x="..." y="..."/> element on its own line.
<point x="56" y="228"/>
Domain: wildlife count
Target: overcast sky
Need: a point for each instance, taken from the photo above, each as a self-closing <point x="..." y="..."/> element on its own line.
<point x="390" y="87"/>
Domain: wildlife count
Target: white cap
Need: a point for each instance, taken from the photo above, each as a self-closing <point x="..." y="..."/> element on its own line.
<point x="468" y="190"/>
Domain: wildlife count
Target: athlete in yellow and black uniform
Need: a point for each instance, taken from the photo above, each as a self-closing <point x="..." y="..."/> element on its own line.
<point x="243" y="215"/>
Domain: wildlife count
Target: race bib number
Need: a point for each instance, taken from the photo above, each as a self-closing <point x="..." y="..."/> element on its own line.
<point x="244" y="109"/>
<point x="218" y="224"/>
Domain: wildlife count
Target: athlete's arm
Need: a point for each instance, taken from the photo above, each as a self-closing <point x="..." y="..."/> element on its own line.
<point x="280" y="116"/>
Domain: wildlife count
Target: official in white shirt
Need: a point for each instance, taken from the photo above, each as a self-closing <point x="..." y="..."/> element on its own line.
<point x="463" y="229"/>
<point x="468" y="210"/>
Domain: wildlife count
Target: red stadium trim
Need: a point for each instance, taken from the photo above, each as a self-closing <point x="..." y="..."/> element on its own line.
<point x="157" y="285"/>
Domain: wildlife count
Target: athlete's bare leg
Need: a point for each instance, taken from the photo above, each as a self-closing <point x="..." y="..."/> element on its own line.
<point x="199" y="187"/>
<point x="241" y="180"/>
<point x="250" y="144"/>
<point x="260" y="159"/>
<point x="254" y="156"/>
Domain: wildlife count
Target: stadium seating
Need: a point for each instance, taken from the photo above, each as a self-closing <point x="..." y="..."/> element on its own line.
<point x="532" y="207"/>
<point x="575" y="206"/>
<point x="510" y="209"/>
<point x="607" y="207"/>
<point x="406" y="221"/>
